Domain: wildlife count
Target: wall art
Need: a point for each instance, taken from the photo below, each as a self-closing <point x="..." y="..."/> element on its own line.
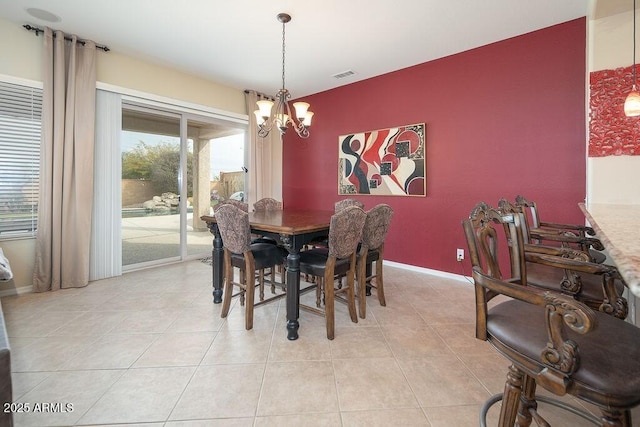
<point x="611" y="133"/>
<point x="384" y="162"/>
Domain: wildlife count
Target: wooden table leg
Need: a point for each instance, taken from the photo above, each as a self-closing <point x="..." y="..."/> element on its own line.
<point x="217" y="256"/>
<point x="293" y="286"/>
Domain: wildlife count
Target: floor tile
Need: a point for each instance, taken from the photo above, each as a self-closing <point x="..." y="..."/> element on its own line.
<point x="443" y="381"/>
<point x="221" y="391"/>
<point x="411" y="342"/>
<point x="363" y="342"/>
<point x="71" y="393"/>
<point x="298" y="388"/>
<point x="111" y="352"/>
<point x="183" y="349"/>
<point x="239" y="347"/>
<point x="140" y="395"/>
<point x="365" y="384"/>
<point x="307" y="420"/>
<point x="48" y="353"/>
<point x="385" y="417"/>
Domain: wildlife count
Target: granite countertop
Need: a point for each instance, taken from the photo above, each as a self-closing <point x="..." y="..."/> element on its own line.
<point x="618" y="227"/>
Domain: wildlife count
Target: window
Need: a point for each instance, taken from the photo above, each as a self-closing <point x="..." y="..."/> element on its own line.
<point x="20" y="136"/>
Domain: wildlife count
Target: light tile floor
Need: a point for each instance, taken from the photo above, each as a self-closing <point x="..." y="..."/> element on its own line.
<point x="150" y="348"/>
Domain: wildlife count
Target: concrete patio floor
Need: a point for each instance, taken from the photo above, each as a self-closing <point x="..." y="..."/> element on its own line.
<point x="152" y="238"/>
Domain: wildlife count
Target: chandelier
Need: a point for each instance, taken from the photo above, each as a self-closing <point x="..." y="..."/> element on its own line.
<point x="282" y="117"/>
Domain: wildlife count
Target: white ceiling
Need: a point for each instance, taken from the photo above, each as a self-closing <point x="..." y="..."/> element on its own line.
<point x="238" y="42"/>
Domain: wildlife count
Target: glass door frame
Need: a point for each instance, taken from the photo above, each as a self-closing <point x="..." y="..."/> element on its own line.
<point x="184" y="116"/>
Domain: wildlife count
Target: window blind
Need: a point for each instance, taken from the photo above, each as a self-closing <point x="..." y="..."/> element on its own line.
<point x="20" y="136"/>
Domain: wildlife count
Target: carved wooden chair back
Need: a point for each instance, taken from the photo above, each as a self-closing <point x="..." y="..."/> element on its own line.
<point x="599" y="286"/>
<point x="550" y="339"/>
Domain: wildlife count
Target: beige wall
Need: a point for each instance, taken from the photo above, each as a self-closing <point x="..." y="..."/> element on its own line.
<point x="21" y="57"/>
<point x="612" y="179"/>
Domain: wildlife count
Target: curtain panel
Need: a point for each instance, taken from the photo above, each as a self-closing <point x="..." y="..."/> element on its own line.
<point x="262" y="152"/>
<point x="66" y="165"/>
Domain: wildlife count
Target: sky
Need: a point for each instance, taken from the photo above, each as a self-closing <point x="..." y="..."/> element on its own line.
<point x="227" y="153"/>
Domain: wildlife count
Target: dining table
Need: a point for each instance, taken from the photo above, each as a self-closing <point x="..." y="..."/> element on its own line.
<point x="290" y="228"/>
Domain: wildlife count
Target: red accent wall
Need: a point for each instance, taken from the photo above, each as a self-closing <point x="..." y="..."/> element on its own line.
<point x="501" y="120"/>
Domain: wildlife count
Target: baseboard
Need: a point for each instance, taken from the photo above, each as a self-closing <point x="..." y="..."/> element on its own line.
<point x="423" y="270"/>
<point x="459" y="277"/>
<point x="16" y="291"/>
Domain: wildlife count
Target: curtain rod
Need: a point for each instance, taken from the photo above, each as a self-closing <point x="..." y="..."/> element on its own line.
<point x="82" y="42"/>
<point x="264" y="95"/>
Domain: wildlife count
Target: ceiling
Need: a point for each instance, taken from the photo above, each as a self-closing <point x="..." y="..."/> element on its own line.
<point x="238" y="42"/>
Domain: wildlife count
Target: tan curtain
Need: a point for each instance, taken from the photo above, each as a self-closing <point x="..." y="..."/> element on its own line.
<point x="66" y="164"/>
<point x="262" y="152"/>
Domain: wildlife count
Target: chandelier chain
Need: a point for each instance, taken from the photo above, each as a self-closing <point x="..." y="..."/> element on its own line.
<point x="283" y="50"/>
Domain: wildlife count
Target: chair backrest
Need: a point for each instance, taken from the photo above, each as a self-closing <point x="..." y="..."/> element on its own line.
<point x="235" y="231"/>
<point x="267" y="204"/>
<point x="345" y="231"/>
<point x="238" y="204"/>
<point x="484" y="229"/>
<point x="345" y="203"/>
<point x="525" y="204"/>
<point x="505" y="206"/>
<point x="376" y="226"/>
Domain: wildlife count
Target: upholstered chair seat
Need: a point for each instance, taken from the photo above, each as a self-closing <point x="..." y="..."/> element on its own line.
<point x="552" y="340"/>
<point x="616" y="380"/>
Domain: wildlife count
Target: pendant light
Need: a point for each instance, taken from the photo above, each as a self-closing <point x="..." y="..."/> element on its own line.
<point x="282" y="117"/>
<point x="632" y="103"/>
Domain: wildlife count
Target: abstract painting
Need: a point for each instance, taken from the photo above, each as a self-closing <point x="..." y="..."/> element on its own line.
<point x="384" y="162"/>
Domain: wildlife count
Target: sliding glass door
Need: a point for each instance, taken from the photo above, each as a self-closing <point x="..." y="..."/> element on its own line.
<point x="175" y="167"/>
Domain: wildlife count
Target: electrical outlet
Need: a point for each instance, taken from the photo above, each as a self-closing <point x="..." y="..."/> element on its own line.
<point x="459" y="254"/>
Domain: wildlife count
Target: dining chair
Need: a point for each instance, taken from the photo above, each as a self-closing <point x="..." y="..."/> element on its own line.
<point x="237" y="203"/>
<point x="322" y="241"/>
<point x="580" y="236"/>
<point x="600" y="286"/>
<point x="371" y="250"/>
<point x="240" y="253"/>
<point x="338" y="259"/>
<point x="551" y="340"/>
<point x="267" y="204"/>
<point x="344" y="203"/>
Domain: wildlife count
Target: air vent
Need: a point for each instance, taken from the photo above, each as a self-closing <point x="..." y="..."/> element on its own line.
<point x="343" y="74"/>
